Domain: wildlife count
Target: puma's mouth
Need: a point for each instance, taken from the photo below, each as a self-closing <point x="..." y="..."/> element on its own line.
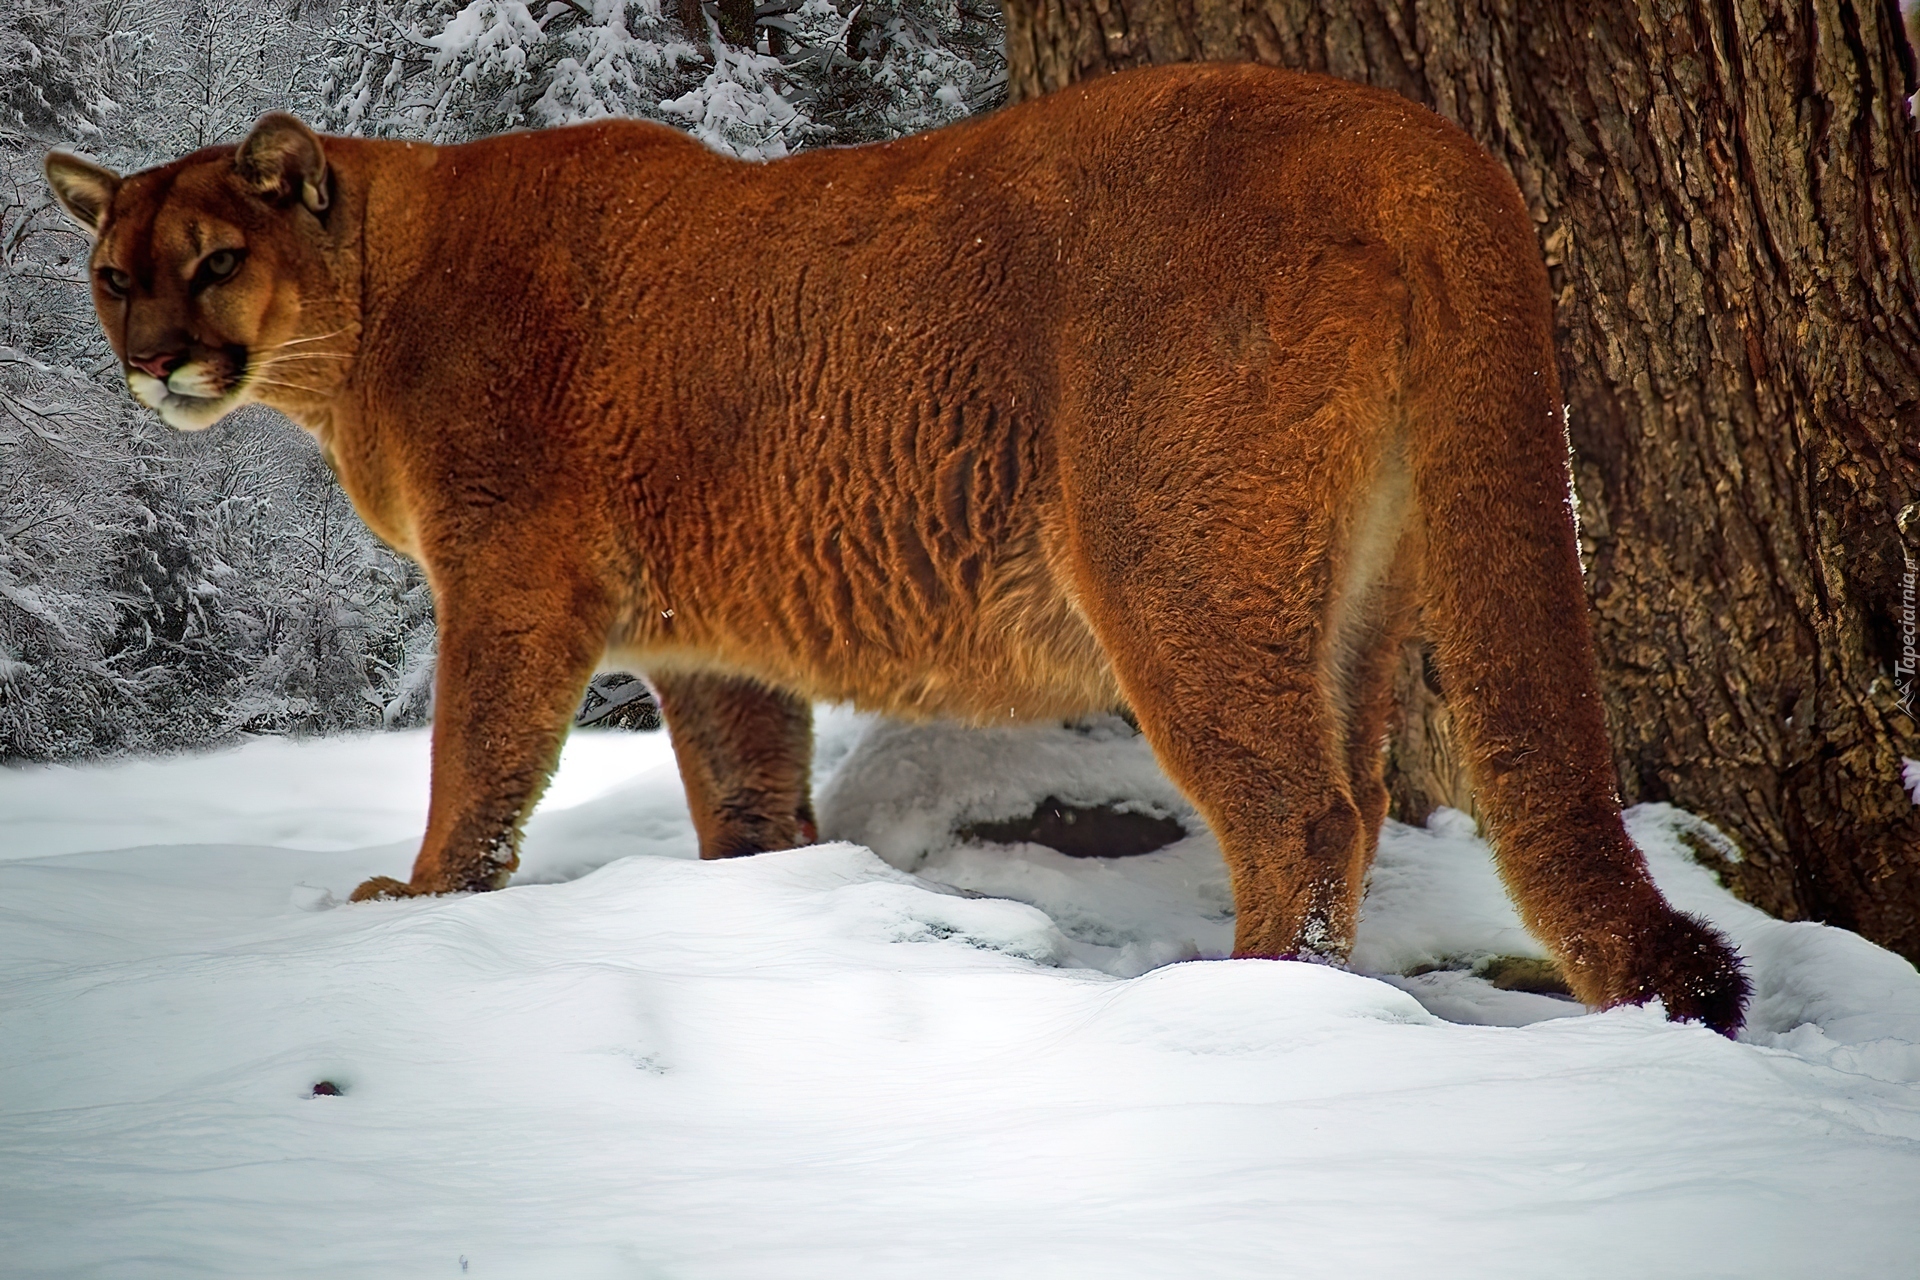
<point x="194" y="396"/>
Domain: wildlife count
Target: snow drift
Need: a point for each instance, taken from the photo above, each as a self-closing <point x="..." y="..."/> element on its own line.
<point x="903" y="1055"/>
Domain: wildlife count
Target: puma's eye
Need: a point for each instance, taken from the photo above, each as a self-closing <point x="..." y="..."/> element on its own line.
<point x="222" y="263"/>
<point x="115" y="281"/>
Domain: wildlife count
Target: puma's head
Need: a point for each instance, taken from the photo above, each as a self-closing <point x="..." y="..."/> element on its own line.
<point x="217" y="277"/>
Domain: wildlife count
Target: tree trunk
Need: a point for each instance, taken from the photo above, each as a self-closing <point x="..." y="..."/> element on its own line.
<point x="1726" y="197"/>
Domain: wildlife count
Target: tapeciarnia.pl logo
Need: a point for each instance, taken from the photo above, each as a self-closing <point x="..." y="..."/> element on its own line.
<point x="1904" y="666"/>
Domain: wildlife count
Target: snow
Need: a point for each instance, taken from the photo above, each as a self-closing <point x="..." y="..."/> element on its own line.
<point x="738" y="109"/>
<point x="893" y="1054"/>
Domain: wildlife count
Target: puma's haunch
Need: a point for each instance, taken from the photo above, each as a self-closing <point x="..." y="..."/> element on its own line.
<point x="1175" y="390"/>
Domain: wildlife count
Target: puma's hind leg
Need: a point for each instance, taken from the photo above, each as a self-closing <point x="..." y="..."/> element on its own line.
<point x="1365" y="653"/>
<point x="1258" y="750"/>
<point x="1233" y="583"/>
<point x="746" y="755"/>
<point x="1224" y="671"/>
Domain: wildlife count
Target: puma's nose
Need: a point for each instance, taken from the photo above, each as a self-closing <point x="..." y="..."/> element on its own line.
<point x="159" y="366"/>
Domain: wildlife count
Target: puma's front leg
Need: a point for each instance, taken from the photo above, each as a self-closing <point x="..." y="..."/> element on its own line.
<point x="745" y="753"/>
<point x="515" y="655"/>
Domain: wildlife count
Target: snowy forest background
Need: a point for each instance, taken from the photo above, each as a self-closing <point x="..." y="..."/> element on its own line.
<point x="160" y="590"/>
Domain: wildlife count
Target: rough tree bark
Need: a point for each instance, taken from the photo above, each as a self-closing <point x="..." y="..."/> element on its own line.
<point x="1726" y="196"/>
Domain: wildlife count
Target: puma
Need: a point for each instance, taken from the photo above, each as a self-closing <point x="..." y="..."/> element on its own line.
<point x="1175" y="391"/>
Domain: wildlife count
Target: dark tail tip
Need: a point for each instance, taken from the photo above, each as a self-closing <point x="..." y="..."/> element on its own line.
<point x="1695" y="973"/>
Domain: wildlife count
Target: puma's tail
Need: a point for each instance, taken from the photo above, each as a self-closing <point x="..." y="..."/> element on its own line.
<point x="1507" y="613"/>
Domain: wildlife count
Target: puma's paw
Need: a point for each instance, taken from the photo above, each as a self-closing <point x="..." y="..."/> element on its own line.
<point x="1689" y="968"/>
<point x="383" y="887"/>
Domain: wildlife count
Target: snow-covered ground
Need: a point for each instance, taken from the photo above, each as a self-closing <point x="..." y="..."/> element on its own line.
<point x="895" y="1056"/>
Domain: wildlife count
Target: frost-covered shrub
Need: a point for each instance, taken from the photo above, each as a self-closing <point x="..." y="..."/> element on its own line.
<point x="912" y="66"/>
<point x="816" y="71"/>
<point x="741" y="107"/>
<point x="158" y="591"/>
<point x="446" y="72"/>
<point x="47" y="77"/>
<point x="344" y="635"/>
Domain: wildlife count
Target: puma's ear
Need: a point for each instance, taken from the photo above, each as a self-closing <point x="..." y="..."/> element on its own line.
<point x="83" y="188"/>
<point x="281" y="159"/>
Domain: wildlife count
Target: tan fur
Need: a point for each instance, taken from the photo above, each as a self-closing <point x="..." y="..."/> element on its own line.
<point x="1170" y="391"/>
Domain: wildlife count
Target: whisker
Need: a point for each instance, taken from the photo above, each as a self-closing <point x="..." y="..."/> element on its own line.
<point x="318" y="337"/>
<point x="266" y="368"/>
<point x="258" y="381"/>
